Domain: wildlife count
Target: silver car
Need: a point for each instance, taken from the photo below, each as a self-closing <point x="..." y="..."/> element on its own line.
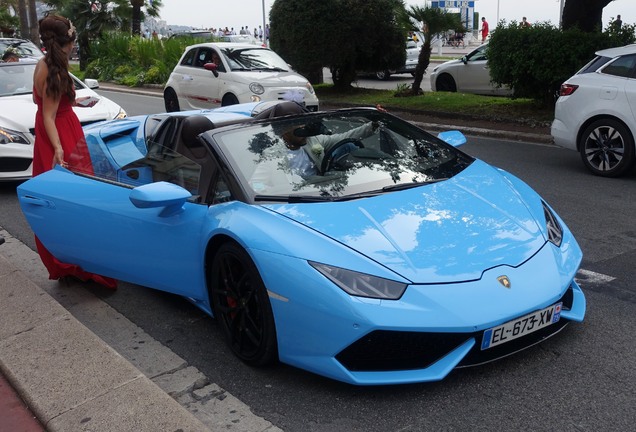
<point x="469" y="74"/>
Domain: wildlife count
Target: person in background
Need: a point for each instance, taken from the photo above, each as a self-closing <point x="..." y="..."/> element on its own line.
<point x="524" y="23"/>
<point x="484" y="29"/>
<point x="618" y="23"/>
<point x="59" y="138"/>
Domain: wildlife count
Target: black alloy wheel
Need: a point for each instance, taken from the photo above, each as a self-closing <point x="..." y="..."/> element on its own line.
<point x="446" y="83"/>
<point x="171" y="100"/>
<point x="241" y="306"/>
<point x="607" y="148"/>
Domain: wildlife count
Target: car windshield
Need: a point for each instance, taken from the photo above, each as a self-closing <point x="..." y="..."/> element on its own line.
<point x="17" y="79"/>
<point x="241" y="59"/>
<point x="24" y="48"/>
<point x="340" y="155"/>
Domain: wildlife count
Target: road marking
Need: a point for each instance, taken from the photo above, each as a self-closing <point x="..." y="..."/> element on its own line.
<point x="593" y="277"/>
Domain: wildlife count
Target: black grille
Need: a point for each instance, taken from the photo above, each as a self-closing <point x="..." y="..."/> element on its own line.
<point x="384" y="350"/>
<point x="13" y="164"/>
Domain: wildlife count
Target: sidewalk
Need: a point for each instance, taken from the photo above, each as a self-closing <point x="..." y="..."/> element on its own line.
<point x="69" y="378"/>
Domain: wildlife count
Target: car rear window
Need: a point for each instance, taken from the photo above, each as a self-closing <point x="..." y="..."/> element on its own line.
<point x="594" y="65"/>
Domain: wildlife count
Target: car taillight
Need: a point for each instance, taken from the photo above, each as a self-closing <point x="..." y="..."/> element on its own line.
<point x="567" y="89"/>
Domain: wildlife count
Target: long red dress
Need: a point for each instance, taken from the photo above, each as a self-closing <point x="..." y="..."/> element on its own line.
<point x="76" y="154"/>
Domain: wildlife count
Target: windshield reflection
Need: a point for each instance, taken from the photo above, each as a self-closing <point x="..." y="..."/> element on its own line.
<point x="335" y="155"/>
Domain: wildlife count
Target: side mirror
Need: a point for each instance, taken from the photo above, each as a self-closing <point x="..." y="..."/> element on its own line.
<point x="91" y="83"/>
<point x="454" y="137"/>
<point x="212" y="67"/>
<point x="464" y="60"/>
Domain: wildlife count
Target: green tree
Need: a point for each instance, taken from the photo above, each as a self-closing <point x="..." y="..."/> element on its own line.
<point x="434" y="21"/>
<point x="311" y="35"/>
<point x="91" y="20"/>
<point x="9" y="21"/>
<point x="152" y="8"/>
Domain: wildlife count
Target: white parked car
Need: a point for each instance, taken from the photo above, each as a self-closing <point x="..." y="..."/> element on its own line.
<point x="23" y="47"/>
<point x="412" y="55"/>
<point x="17" y="116"/>
<point x="596" y="112"/>
<point x="209" y="75"/>
<point x="469" y="74"/>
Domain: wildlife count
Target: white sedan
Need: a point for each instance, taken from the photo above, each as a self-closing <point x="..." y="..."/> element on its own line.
<point x="596" y="112"/>
<point x="17" y="116"/>
<point x="210" y="75"/>
<point x="469" y="74"/>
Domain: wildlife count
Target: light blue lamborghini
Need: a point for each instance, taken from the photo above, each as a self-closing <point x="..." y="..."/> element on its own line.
<point x="348" y="243"/>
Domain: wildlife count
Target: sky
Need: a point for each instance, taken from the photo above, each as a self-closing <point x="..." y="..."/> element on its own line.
<point x="239" y="13"/>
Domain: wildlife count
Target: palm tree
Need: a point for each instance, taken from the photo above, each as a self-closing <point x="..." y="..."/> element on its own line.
<point x="152" y="9"/>
<point x="434" y="21"/>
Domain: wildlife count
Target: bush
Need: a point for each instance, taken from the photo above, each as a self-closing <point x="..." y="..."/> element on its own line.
<point x="134" y="61"/>
<point x="535" y="61"/>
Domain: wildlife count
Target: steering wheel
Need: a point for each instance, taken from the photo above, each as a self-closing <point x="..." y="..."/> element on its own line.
<point x="339" y="152"/>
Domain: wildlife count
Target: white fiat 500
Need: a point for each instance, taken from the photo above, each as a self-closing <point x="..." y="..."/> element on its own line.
<point x="17" y="116"/>
<point x="596" y="112"/>
<point x="209" y="75"/>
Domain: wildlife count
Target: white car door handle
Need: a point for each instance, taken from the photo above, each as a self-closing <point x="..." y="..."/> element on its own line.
<point x="186" y="78"/>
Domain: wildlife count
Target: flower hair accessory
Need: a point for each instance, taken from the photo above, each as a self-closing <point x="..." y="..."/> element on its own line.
<point x="71" y="29"/>
<point x="316" y="149"/>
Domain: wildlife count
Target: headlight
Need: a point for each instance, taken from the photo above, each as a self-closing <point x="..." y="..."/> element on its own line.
<point x="256" y="88"/>
<point x="360" y="284"/>
<point x="9" y="136"/>
<point x="121" y="114"/>
<point x="555" y="231"/>
<point x="310" y="89"/>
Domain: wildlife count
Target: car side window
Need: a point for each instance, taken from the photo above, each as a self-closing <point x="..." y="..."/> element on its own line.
<point x="623" y="66"/>
<point x="188" y="59"/>
<point x="479" y="54"/>
<point x="203" y="56"/>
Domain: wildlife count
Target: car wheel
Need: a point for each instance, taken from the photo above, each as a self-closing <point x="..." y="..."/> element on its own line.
<point x="229" y="99"/>
<point x="607" y="148"/>
<point x="171" y="100"/>
<point x="383" y="75"/>
<point x="241" y="306"/>
<point x="445" y="83"/>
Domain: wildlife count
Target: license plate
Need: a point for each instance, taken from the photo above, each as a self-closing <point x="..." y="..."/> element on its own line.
<point x="521" y="326"/>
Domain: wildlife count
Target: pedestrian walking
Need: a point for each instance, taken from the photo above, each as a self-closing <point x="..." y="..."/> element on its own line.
<point x="484" y="29"/>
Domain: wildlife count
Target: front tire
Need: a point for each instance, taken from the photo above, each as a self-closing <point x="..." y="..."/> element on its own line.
<point x="383" y="75"/>
<point x="607" y="148"/>
<point x="229" y="99"/>
<point x="241" y="306"/>
<point x="171" y="100"/>
<point x="446" y="83"/>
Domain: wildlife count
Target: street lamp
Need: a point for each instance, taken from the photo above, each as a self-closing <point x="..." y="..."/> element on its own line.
<point x="264" y="34"/>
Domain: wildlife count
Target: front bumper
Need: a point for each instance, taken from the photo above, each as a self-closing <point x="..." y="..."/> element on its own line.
<point x="430" y="331"/>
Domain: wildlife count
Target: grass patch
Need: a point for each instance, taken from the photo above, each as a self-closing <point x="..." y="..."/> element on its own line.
<point x="443" y="103"/>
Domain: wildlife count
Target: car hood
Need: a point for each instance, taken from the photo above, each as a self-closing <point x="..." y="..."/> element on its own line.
<point x="270" y="79"/>
<point x="18" y="112"/>
<point x="445" y="232"/>
<point x="448" y="63"/>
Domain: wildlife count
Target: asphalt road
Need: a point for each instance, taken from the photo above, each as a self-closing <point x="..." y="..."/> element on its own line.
<point x="583" y="379"/>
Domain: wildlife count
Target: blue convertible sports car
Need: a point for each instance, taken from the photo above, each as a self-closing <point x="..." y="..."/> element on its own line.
<point x="349" y="243"/>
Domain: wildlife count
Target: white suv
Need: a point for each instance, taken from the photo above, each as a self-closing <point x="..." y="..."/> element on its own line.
<point x="596" y="112"/>
<point x="209" y="75"/>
